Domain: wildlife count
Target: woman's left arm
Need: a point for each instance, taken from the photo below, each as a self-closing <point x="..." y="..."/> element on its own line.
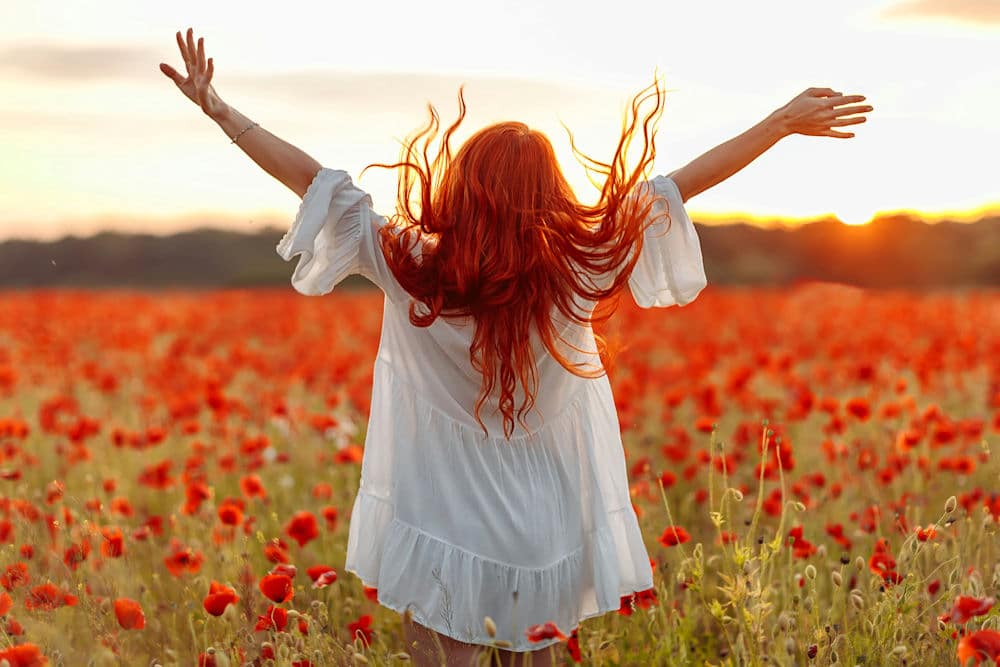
<point x="285" y="162"/>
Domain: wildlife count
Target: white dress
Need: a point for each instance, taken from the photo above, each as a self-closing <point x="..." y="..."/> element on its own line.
<point x="458" y="526"/>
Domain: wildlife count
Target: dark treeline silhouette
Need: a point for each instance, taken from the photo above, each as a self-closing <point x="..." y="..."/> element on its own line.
<point x="889" y="252"/>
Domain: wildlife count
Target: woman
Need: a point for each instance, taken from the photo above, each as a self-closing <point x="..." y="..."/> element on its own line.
<point x="480" y="527"/>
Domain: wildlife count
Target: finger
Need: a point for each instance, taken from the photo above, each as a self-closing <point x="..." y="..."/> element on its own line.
<point x="201" y="53"/>
<point x="835" y="133"/>
<point x="183" y="48"/>
<point x="172" y="73"/>
<point x="848" y="121"/>
<point x="211" y="70"/>
<point x="847" y="111"/>
<point x="821" y="92"/>
<point x="844" y="99"/>
<point x="192" y="51"/>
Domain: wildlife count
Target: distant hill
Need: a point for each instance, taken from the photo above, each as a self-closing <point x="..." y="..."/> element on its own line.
<point x="889" y="252"/>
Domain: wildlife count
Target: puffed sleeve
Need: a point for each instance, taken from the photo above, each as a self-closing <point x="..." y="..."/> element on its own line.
<point x="670" y="270"/>
<point x="334" y="231"/>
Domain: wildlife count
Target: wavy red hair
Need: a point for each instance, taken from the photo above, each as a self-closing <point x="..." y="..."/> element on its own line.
<point x="506" y="240"/>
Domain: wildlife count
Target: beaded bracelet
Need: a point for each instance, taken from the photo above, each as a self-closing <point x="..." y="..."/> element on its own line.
<point x="244" y="130"/>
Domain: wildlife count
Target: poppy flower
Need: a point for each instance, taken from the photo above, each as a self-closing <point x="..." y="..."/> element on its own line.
<point x="129" y="614"/>
<point x="674" y="535"/>
<point x="315" y="571"/>
<point x="371" y="593"/>
<point x="275" y="618"/>
<point x="219" y="597"/>
<point x="979" y="646"/>
<point x="573" y="646"/>
<point x="547" y="630"/>
<point x="24" y="655"/>
<point x="362" y="625"/>
<point x="286" y="569"/>
<point x="277" y="587"/>
<point x="966" y="607"/>
<point x="6" y="603"/>
<point x="323" y="577"/>
<point x="183" y="560"/>
<point x="48" y="597"/>
<point x="302" y="528"/>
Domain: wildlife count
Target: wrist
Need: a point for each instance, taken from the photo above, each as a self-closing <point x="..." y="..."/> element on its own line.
<point x="222" y="115"/>
<point x="777" y="124"/>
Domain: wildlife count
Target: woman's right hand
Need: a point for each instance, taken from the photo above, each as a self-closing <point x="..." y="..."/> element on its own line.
<point x="197" y="87"/>
<point x="815" y="111"/>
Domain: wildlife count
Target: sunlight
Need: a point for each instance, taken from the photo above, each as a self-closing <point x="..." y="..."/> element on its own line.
<point x="854" y="214"/>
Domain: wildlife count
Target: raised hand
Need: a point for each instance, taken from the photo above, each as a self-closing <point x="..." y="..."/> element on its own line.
<point x="197" y="87"/>
<point x="816" y="111"/>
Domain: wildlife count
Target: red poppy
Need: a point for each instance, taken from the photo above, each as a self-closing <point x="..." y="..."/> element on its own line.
<point x="573" y="645"/>
<point x="286" y="569"/>
<point x="966" y="607"/>
<point x="302" y="528"/>
<point x="113" y="545"/>
<point x="183" y="559"/>
<point x="48" y="597"/>
<point x="277" y="587"/>
<point x="219" y="597"/>
<point x="24" y="655"/>
<point x="548" y="630"/>
<point x="362" y="625"/>
<point x="275" y="618"/>
<point x="129" y="614"/>
<point x="6" y="603"/>
<point x="674" y="535"/>
<point x="371" y="593"/>
<point x="980" y="645"/>
<point x="316" y="571"/>
<point x="924" y="534"/>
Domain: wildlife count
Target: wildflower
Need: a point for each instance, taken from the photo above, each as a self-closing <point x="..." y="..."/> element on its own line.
<point x="674" y="535"/>
<point x="49" y="597"/>
<point x="23" y="655"/>
<point x="924" y="534"/>
<point x="547" y="630"/>
<point x="219" y="597"/>
<point x="979" y="645"/>
<point x="362" y="625"/>
<point x="275" y="618"/>
<point x="277" y="587"/>
<point x="302" y="528"/>
<point x="129" y="614"/>
<point x="966" y="607"/>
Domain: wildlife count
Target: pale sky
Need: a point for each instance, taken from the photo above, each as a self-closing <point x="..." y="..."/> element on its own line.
<point x="93" y="136"/>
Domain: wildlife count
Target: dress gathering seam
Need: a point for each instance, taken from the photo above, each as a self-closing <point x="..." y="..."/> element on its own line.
<point x="572" y="403"/>
<point x="487" y="559"/>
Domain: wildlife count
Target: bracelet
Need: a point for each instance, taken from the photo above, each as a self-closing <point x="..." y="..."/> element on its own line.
<point x="244" y="130"/>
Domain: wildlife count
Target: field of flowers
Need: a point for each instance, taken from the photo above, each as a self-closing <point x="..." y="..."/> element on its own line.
<point x="811" y="467"/>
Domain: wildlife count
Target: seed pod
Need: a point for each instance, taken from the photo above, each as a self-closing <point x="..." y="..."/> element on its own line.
<point x="490" y="626"/>
<point x="790" y="646"/>
<point x="810" y="572"/>
<point x="950" y="504"/>
<point x="838" y="580"/>
<point x="859" y="563"/>
<point x="857" y="602"/>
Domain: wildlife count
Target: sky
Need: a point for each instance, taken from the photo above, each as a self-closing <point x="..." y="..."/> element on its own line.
<point x="93" y="136"/>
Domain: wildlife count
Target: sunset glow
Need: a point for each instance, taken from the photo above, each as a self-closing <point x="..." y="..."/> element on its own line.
<point x="95" y="137"/>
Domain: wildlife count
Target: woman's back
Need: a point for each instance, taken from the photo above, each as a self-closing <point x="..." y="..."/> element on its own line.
<point x="455" y="524"/>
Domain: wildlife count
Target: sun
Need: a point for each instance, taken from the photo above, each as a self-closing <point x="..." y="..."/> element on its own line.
<point x="854" y="214"/>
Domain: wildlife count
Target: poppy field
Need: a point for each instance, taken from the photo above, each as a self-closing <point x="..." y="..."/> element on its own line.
<point x="811" y="467"/>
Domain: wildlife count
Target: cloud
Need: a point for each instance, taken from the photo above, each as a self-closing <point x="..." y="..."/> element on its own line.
<point x="78" y="62"/>
<point x="980" y="12"/>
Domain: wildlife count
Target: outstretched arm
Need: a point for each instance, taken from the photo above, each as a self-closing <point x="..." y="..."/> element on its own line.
<point x="285" y="162"/>
<point x="813" y="112"/>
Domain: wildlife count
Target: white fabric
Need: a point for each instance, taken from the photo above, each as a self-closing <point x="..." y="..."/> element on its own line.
<point x="450" y="522"/>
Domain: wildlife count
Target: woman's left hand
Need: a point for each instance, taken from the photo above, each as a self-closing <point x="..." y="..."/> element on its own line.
<point x="197" y="87"/>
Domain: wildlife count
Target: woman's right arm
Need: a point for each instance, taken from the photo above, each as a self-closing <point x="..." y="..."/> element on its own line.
<point x="813" y="112"/>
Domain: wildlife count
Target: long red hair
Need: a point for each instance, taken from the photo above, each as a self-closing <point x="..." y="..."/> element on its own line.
<point x="509" y="240"/>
